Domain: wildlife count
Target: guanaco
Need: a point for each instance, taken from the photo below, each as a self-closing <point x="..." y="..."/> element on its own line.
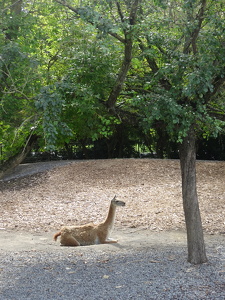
<point x="90" y="234"/>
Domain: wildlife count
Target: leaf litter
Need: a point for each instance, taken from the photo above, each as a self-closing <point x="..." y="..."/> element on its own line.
<point x="80" y="192"/>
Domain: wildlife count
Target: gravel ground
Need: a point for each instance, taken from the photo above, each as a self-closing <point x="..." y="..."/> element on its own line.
<point x="149" y="273"/>
<point x="148" y="263"/>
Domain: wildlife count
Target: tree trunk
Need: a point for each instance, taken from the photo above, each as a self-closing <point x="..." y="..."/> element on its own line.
<point x="195" y="239"/>
<point x="15" y="160"/>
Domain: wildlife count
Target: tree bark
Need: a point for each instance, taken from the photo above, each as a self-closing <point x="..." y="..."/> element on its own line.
<point x="195" y="239"/>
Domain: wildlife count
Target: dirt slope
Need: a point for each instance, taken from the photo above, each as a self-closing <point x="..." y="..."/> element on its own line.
<point x="80" y="192"/>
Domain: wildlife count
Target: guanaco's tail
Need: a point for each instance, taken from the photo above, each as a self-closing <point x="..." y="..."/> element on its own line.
<point x="56" y="235"/>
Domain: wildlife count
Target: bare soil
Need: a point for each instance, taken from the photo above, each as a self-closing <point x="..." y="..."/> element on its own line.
<point x="40" y="201"/>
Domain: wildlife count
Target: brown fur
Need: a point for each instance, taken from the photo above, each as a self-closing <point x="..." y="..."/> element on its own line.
<point x="90" y="234"/>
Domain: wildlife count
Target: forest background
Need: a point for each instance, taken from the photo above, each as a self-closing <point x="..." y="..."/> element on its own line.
<point x="104" y="79"/>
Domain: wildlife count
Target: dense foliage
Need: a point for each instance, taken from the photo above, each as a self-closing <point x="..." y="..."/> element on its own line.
<point x="111" y="78"/>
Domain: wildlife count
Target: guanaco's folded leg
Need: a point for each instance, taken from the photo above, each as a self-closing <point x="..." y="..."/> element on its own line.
<point x="110" y="241"/>
<point x="69" y="240"/>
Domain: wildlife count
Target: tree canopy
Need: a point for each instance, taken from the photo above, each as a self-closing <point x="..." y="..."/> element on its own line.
<point x="81" y="71"/>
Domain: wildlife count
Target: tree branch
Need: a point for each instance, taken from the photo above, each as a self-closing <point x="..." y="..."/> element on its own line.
<point x="121" y="76"/>
<point x="154" y="67"/>
<point x="126" y="61"/>
<point x="128" y="46"/>
<point x="194" y="34"/>
<point x="79" y="11"/>
<point x="120" y="11"/>
<point x="133" y="12"/>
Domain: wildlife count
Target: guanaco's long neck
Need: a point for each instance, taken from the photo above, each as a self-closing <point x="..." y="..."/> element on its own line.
<point x="111" y="216"/>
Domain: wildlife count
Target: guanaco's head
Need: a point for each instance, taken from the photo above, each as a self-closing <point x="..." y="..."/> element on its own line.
<point x="117" y="202"/>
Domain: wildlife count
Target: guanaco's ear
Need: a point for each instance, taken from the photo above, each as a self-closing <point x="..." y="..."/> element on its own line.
<point x="114" y="198"/>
